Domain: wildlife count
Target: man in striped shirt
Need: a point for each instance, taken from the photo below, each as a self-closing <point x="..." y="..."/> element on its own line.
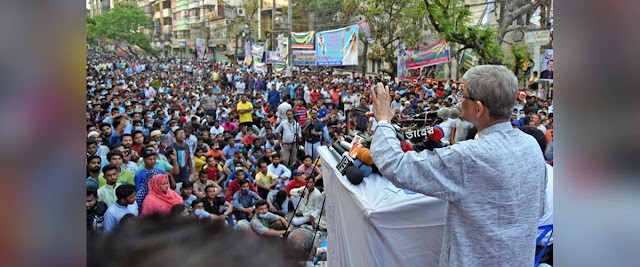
<point x="300" y="112"/>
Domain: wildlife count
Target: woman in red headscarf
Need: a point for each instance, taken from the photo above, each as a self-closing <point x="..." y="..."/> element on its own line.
<point x="160" y="198"/>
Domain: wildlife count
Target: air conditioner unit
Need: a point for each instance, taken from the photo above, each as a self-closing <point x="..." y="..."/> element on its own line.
<point x="240" y="12"/>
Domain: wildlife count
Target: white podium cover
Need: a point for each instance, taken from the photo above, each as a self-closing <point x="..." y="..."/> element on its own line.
<point x="377" y="224"/>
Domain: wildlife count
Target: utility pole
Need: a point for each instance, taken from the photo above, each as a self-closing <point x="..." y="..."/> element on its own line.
<point x="259" y="19"/>
<point x="273" y="22"/>
<point x="289" y="56"/>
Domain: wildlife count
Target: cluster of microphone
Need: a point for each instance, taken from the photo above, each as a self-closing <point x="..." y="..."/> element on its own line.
<point x="416" y="133"/>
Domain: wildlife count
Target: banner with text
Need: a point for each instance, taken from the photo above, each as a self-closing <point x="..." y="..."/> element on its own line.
<point x="259" y="67"/>
<point x="427" y="55"/>
<point x="364" y="26"/>
<point x="302" y="40"/>
<point x="337" y="47"/>
<point x="272" y="57"/>
<point x="200" y="48"/>
<point x="303" y="57"/>
<point x="257" y="51"/>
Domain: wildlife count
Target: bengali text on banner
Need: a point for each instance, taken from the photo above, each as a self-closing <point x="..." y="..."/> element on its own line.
<point x="304" y="57"/>
<point x="302" y="40"/>
<point x="427" y="55"/>
<point x="272" y="57"/>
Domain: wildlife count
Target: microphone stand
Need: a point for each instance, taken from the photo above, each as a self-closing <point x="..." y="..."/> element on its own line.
<point x="298" y="205"/>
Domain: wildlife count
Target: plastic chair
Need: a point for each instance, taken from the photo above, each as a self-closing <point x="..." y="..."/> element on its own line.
<point x="545" y="230"/>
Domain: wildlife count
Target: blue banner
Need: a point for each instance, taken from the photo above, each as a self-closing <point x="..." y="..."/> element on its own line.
<point x="337" y="47"/>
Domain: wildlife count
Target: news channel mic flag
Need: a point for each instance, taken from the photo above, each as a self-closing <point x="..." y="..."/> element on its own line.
<point x="494" y="184"/>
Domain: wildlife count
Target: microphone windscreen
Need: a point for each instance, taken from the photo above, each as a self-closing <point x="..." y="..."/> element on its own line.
<point x="364" y="154"/>
<point x="437" y="134"/>
<point x="405" y="146"/>
<point x="455" y="113"/>
<point x="345" y="145"/>
<point x="444" y="113"/>
<point x="366" y="170"/>
<point x="338" y="148"/>
<point x="354" y="174"/>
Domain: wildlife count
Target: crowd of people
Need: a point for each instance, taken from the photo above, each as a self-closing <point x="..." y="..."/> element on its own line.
<point x="218" y="142"/>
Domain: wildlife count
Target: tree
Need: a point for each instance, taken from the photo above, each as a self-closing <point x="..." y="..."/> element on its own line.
<point x="238" y="27"/>
<point x="512" y="10"/>
<point x="391" y="23"/>
<point x="122" y="24"/>
<point x="451" y="19"/>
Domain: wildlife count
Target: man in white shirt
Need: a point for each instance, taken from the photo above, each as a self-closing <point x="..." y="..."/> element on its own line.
<point x="282" y="172"/>
<point x="240" y="86"/>
<point x="308" y="200"/>
<point x="281" y="113"/>
<point x="348" y="100"/>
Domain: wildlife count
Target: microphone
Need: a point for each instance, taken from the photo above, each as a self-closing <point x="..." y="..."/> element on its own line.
<point x="437" y="134"/>
<point x="346" y="165"/>
<point x="444" y="113"/>
<point x="455" y="113"/>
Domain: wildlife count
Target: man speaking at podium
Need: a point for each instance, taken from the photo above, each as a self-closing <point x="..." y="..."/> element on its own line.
<point x="494" y="185"/>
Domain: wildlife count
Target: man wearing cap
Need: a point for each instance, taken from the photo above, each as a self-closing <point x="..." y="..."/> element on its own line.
<point x="102" y="149"/>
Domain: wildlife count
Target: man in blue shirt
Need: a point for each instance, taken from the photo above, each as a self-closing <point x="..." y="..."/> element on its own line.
<point x="273" y="98"/>
<point x="126" y="195"/>
<point x="323" y="113"/>
<point x="230" y="149"/>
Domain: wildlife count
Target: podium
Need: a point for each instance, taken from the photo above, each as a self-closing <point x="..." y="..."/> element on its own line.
<point x="377" y="224"/>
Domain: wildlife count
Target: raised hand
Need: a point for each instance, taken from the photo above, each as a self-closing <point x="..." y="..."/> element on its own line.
<point x="381" y="103"/>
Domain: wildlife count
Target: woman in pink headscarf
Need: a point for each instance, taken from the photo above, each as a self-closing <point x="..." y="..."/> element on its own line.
<point x="160" y="198"/>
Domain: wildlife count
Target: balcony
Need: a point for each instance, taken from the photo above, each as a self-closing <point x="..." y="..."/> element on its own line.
<point x="195" y="4"/>
<point x="156" y="16"/>
<point x="195" y="19"/>
<point x="166" y="29"/>
<point x="166" y="12"/>
<point x="182" y="27"/>
<point x="182" y="22"/>
<point x="210" y="2"/>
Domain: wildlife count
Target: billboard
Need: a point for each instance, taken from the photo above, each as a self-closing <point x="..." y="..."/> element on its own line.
<point x="303" y="57"/>
<point x="272" y="57"/>
<point x="302" y="40"/>
<point x="337" y="47"/>
<point x="427" y="55"/>
<point x="546" y="64"/>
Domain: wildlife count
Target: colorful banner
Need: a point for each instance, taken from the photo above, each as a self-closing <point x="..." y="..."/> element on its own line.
<point x="364" y="26"/>
<point x="302" y="40"/>
<point x="279" y="68"/>
<point x="427" y="55"/>
<point x="303" y="57"/>
<point x="337" y="47"/>
<point x="272" y="57"/>
<point x="282" y="47"/>
<point x="200" y="48"/>
<point x="248" y="60"/>
<point x="259" y="67"/>
<point x="257" y="51"/>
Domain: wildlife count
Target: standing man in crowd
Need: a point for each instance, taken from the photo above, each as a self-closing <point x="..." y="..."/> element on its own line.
<point x="290" y="135"/>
